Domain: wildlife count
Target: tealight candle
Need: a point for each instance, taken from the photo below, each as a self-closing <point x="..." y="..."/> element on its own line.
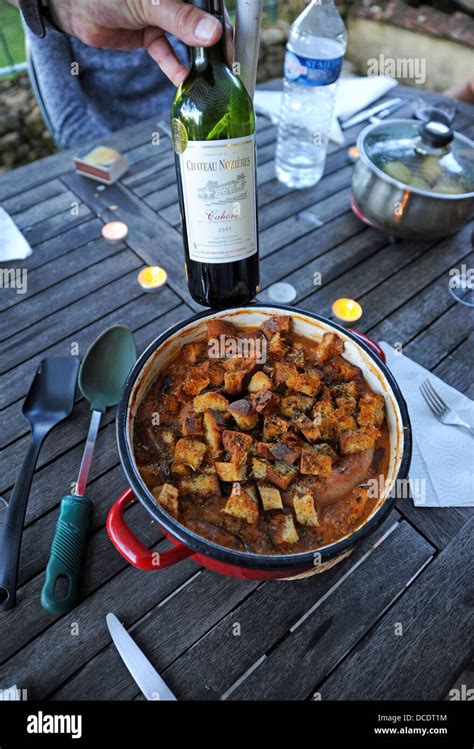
<point x="115" y="230"/>
<point x="347" y="310"/>
<point x="152" y="278"/>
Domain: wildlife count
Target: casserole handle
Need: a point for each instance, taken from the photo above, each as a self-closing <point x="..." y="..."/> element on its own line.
<point x="371" y="344"/>
<point x="131" y="548"/>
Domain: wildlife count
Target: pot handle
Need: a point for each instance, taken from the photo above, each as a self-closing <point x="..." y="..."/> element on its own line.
<point x="131" y="548"/>
<point x="371" y="344"/>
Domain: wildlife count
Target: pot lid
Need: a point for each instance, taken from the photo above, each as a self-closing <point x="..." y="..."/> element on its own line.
<point x="427" y="155"/>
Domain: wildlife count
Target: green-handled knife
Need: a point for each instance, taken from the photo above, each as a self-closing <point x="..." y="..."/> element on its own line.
<point x="103" y="372"/>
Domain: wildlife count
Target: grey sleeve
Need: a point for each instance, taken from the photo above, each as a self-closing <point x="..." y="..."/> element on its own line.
<point x="57" y="86"/>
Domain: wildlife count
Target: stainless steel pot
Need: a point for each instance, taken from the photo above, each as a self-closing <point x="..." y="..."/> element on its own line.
<point x="402" y="210"/>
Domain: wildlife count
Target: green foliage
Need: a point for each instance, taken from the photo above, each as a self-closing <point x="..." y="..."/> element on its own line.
<point x="12" y="39"/>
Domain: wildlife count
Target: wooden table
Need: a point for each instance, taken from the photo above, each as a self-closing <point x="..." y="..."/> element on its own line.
<point x="336" y="634"/>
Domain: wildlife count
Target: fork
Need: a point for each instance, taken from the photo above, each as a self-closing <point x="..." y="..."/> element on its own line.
<point x="441" y="410"/>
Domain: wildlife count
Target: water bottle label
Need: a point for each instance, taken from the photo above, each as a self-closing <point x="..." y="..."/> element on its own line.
<point x="311" y="72"/>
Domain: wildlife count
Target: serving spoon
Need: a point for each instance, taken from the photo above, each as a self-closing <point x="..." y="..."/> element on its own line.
<point x="102" y="375"/>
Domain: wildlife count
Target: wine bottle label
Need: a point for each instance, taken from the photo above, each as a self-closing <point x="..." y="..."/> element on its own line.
<point x="218" y="180"/>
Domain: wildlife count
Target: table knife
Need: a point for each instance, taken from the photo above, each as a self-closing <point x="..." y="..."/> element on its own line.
<point x="391" y="105"/>
<point x="147" y="678"/>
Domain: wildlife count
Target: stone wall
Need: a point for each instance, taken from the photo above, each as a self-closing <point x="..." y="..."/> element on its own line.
<point x="23" y="135"/>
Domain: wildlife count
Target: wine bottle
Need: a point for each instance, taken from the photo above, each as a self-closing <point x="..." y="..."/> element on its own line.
<point x="213" y="126"/>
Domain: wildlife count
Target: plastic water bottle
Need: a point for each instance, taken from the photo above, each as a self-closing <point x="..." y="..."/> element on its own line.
<point x="313" y="62"/>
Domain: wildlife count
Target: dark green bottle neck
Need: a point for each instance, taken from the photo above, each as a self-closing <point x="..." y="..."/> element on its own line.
<point x="203" y="56"/>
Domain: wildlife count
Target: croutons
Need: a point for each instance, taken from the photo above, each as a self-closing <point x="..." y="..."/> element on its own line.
<point x="323" y="415"/>
<point x="314" y="462"/>
<point x="216" y="328"/>
<point x="259" y="381"/>
<point x="307" y="382"/>
<point x="308" y="427"/>
<point x="277" y="346"/>
<point x="167" y="497"/>
<point x="371" y="410"/>
<point x="237" y="445"/>
<point x="296" y="355"/>
<point x="282" y="371"/>
<point x="280" y="474"/>
<point x="295" y="404"/>
<point x="203" y="484"/>
<point x="169" y="408"/>
<point x="358" y="439"/>
<point x="234" y="381"/>
<point x="274" y="427"/>
<point x="339" y="369"/>
<point x="265" y="401"/>
<point x="305" y="511"/>
<point x="195" y="382"/>
<point x="283" y="530"/>
<point x="242" y="505"/>
<point x="189" y="452"/>
<point x="192" y="352"/>
<point x="277" y="324"/>
<point x="283" y="453"/>
<point x="244" y="413"/>
<point x="342" y="421"/>
<point x="191" y="422"/>
<point x="347" y="404"/>
<point x="271" y="497"/>
<point x="212" y="432"/>
<point x="231" y="471"/>
<point x="330" y="345"/>
<point x="214" y="401"/>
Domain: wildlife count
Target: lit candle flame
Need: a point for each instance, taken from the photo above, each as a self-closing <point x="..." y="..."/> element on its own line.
<point x="152" y="278"/>
<point x="347" y="310"/>
<point x="115" y="230"/>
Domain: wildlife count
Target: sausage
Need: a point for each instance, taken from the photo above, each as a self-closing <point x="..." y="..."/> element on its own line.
<point x="347" y="473"/>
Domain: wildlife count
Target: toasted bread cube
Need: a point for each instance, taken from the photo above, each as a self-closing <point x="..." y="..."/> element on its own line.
<point x="277" y="346"/>
<point x="308" y="427"/>
<point x="271" y="497"/>
<point x="280" y="474"/>
<point x="168" y="437"/>
<point x="260" y="381"/>
<point x="296" y="355"/>
<point x="357" y="503"/>
<point x="234" y="382"/>
<point x="244" y="414"/>
<point x="330" y="345"/>
<point x="277" y="324"/>
<point x="262" y="449"/>
<point x="192" y="352"/>
<point x="195" y="382"/>
<point x="371" y="410"/>
<point x="283" y="453"/>
<point x="283" y="530"/>
<point x="323" y="416"/>
<point x="353" y="441"/>
<point x="231" y="471"/>
<point x="314" y="462"/>
<point x="340" y="370"/>
<point x="216" y="328"/>
<point x="308" y="382"/>
<point x="343" y="421"/>
<point x="214" y="401"/>
<point x="259" y="468"/>
<point x="212" y="432"/>
<point x="204" y="484"/>
<point x="191" y="422"/>
<point x="343" y="390"/>
<point x="305" y="511"/>
<point x="242" y="505"/>
<point x="292" y="405"/>
<point x="167" y="497"/>
<point x="265" y="401"/>
<point x="274" y="427"/>
<point x="282" y="371"/>
<point x="346" y="403"/>
<point x="237" y="445"/>
<point x="189" y="452"/>
<point x="213" y="371"/>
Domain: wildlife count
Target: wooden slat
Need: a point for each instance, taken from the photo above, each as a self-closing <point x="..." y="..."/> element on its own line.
<point x="30" y="197"/>
<point x="436" y="641"/>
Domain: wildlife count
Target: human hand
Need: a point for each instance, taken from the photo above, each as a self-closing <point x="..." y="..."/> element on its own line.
<point x="128" y="24"/>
